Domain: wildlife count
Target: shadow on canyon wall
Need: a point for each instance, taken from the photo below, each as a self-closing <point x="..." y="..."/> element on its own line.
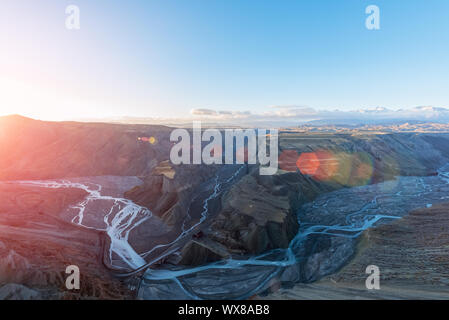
<point x="252" y="214"/>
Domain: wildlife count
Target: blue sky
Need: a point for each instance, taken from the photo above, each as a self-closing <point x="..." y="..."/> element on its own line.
<point x="164" y="58"/>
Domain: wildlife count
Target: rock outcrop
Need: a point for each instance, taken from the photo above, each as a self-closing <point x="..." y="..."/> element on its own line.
<point x="14" y="291"/>
<point x="251" y="214"/>
<point x="32" y="149"/>
<point x="36" y="247"/>
<point x="411" y="254"/>
<point x="410" y="251"/>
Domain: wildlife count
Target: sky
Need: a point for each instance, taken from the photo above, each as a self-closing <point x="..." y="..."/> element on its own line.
<point x="183" y="58"/>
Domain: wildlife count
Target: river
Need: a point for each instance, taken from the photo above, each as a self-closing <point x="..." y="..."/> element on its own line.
<point x="340" y="216"/>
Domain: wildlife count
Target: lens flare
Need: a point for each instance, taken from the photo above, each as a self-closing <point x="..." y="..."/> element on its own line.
<point x="308" y="163"/>
<point x="288" y="159"/>
<point x="328" y="165"/>
<point x="151" y="140"/>
<point x="389" y="170"/>
<point x="348" y="169"/>
<point x="362" y="169"/>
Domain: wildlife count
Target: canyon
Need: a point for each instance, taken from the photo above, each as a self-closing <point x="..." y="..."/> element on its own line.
<point x="99" y="196"/>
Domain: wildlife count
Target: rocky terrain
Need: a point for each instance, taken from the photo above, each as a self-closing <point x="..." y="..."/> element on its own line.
<point x="395" y="126"/>
<point x="412" y="256"/>
<point x="36" y="246"/>
<point x="33" y="149"/>
<point x="258" y="213"/>
<point x="199" y="214"/>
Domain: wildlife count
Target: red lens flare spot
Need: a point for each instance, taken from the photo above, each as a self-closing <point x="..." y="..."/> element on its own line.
<point x="328" y="165"/>
<point x="308" y="163"/>
<point x="363" y="169"/>
<point x="151" y="140"/>
<point x="287" y="160"/>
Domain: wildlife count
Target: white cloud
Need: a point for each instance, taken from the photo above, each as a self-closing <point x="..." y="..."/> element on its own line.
<point x="285" y="116"/>
<point x="296" y="114"/>
<point x="203" y="112"/>
<point x="220" y="114"/>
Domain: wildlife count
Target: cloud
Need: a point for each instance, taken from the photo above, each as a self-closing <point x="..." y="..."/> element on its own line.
<point x="293" y="115"/>
<point x="203" y="112"/>
<point x="296" y="114"/>
<point x="220" y="114"/>
<point x="276" y="112"/>
<point x="291" y="111"/>
<point x="293" y="106"/>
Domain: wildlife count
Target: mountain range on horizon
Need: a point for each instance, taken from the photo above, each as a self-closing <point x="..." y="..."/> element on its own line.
<point x="290" y="116"/>
<point x="98" y="196"/>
